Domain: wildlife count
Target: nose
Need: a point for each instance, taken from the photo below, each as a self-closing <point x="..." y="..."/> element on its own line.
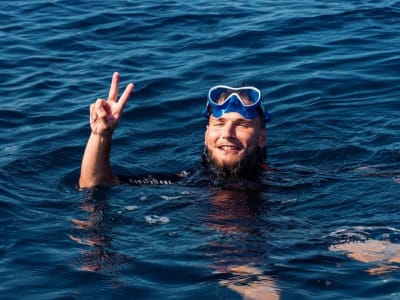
<point x="228" y="130"/>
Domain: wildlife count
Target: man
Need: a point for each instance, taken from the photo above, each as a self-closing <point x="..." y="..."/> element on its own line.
<point x="234" y="139"/>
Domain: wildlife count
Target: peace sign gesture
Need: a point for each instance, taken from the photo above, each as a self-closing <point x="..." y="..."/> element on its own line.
<point x="106" y="114"/>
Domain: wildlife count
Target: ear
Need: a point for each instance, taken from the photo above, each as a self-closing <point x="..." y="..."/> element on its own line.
<point x="262" y="138"/>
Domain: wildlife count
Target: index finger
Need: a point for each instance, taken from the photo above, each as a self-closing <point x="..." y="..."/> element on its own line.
<point x="113" y="93"/>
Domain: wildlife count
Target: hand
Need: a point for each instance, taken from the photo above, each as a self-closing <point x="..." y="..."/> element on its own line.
<point x="106" y="114"/>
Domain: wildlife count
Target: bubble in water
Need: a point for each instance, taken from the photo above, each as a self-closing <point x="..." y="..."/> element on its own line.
<point x="170" y="197"/>
<point x="131" y="207"/>
<point x="154" y="219"/>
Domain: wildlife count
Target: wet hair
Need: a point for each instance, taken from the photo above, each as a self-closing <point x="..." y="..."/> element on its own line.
<point x="262" y="116"/>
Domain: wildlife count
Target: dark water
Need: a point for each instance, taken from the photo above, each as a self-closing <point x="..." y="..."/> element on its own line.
<point x="326" y="226"/>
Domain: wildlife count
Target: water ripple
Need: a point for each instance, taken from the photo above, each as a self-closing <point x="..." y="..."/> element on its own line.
<point x="329" y="74"/>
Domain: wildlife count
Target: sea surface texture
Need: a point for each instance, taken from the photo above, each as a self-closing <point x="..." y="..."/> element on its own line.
<point x="326" y="223"/>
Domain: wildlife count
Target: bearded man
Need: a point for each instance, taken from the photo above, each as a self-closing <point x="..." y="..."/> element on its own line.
<point x="234" y="138"/>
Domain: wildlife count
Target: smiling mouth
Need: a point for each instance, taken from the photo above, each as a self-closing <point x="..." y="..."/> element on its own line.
<point x="229" y="148"/>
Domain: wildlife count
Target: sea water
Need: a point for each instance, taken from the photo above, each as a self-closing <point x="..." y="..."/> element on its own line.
<point x="324" y="226"/>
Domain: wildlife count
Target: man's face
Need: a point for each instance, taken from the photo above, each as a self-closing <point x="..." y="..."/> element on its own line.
<point x="232" y="140"/>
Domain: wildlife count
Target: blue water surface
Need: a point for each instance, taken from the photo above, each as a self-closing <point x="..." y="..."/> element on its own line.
<point x="325" y="225"/>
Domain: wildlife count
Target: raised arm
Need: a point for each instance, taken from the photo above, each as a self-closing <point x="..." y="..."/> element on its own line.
<point x="104" y="118"/>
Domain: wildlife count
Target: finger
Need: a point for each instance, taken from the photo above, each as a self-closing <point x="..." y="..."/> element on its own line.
<point x="98" y="110"/>
<point x="125" y="95"/>
<point x="93" y="115"/>
<point x="113" y="94"/>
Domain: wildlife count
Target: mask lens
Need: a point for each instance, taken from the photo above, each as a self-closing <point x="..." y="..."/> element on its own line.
<point x="247" y="95"/>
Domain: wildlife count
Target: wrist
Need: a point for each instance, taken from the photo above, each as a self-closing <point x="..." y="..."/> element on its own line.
<point x="107" y="135"/>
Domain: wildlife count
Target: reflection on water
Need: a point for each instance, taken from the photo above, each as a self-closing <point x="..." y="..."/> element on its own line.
<point x="95" y="233"/>
<point x="239" y="252"/>
<point x="232" y="240"/>
<point x="370" y="245"/>
<point x="242" y="247"/>
<point x="384" y="254"/>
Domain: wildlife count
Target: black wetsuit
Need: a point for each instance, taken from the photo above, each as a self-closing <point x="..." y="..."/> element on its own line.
<point x="208" y="172"/>
<point x="153" y="179"/>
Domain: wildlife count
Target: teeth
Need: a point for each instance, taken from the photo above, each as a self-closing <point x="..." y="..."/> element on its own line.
<point x="229" y="148"/>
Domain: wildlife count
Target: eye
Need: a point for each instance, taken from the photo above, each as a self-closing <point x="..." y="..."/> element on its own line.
<point x="218" y="123"/>
<point x="244" y="124"/>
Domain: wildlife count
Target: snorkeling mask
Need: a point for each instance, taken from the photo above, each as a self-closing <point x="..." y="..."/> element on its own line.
<point x="243" y="100"/>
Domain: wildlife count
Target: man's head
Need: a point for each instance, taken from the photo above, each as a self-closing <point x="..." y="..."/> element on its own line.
<point x="235" y="135"/>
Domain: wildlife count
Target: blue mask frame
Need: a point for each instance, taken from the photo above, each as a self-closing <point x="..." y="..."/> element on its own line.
<point x="235" y="103"/>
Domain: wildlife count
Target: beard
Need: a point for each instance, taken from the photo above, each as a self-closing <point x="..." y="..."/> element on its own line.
<point x="248" y="166"/>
